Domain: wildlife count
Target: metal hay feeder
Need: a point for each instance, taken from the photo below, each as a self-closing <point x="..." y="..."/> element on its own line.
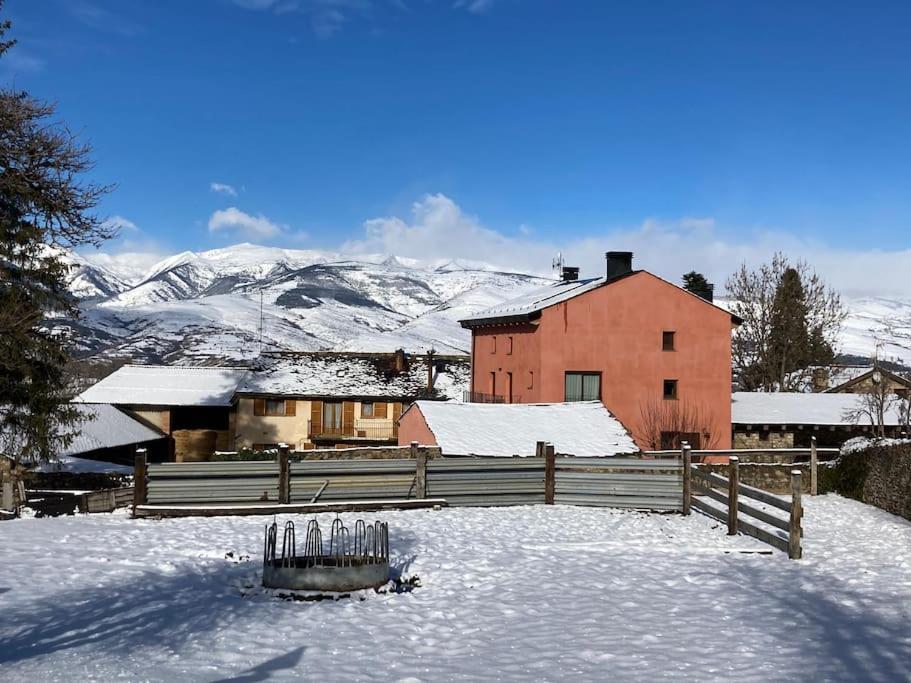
<point x="353" y="561"/>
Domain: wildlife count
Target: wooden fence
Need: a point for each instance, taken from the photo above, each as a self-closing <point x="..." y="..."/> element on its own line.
<point x="727" y="505"/>
<point x="106" y="500"/>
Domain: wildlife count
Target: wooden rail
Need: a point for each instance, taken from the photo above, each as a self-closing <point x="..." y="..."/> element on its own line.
<point x="742" y="517"/>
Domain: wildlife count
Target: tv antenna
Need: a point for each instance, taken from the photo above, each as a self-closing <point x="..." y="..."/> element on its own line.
<point x="261" y="320"/>
<point x="558" y="263"/>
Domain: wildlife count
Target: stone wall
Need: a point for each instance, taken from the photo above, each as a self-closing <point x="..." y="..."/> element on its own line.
<point x="879" y="475"/>
<point x="763" y="439"/>
<point x="771" y="477"/>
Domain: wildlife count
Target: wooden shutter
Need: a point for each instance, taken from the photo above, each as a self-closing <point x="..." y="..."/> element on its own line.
<point x="348" y="417"/>
<point x="259" y="407"/>
<point x="379" y="409"/>
<point x="396" y="411"/>
<point x="290" y="408"/>
<point x="316" y="417"/>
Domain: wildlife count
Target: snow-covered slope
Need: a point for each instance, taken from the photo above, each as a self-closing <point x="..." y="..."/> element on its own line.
<point x="207" y="307"/>
<point x="211" y="306"/>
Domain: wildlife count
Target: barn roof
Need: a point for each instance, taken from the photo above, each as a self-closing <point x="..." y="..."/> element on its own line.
<point x="584" y="428"/>
<point x="106" y="426"/>
<point x="163" y="385"/>
<point x="778" y="408"/>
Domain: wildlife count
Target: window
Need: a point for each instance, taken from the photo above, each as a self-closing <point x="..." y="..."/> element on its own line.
<point x="582" y="386"/>
<point x="508" y="346"/>
<point x="672" y="441"/>
<point x="670" y="388"/>
<point x="531" y="379"/>
<point x="275" y="406"/>
<point x="509" y="387"/>
<point x="493" y="384"/>
<point x="667" y="341"/>
<point x="493" y="344"/>
<point x="332" y="416"/>
<point x="367" y="409"/>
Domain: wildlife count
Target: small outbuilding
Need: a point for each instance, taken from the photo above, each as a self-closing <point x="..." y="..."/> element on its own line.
<point x="580" y="428"/>
<point x="110" y="435"/>
<point x="789" y="420"/>
<point x="193" y="405"/>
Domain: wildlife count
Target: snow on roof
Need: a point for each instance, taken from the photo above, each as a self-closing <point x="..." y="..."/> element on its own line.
<point x="105" y="426"/>
<point x="537" y="299"/>
<point x="166" y="386"/>
<point x="798" y="408"/>
<point x="584" y="428"/>
<point x="340" y="375"/>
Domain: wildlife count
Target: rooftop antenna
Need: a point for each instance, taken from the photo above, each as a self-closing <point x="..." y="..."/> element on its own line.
<point x="557" y="264"/>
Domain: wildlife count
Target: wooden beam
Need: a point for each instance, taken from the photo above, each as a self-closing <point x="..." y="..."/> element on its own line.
<point x="813" y="467"/>
<point x="420" y="470"/>
<point x="284" y="474"/>
<point x="550" y="469"/>
<point x="687" y="457"/>
<point x="794" y="533"/>
<point x="140" y="479"/>
<point x="733" y="480"/>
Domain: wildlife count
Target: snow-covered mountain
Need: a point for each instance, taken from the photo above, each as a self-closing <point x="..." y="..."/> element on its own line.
<point x="209" y="307"/>
<point x="229" y="304"/>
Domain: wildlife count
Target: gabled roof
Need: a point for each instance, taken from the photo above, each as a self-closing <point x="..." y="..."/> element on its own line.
<point x="779" y="408"/>
<point x="106" y="426"/>
<point x="529" y="306"/>
<point x="355" y="375"/>
<point x="584" y="428"/>
<point x="166" y="386"/>
<point x="844" y="384"/>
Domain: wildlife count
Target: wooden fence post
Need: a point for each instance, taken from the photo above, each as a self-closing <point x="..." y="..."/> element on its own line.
<point x="550" y="474"/>
<point x="539" y="449"/>
<point x="420" y="471"/>
<point x="733" y="483"/>
<point x="813" y="466"/>
<point x="687" y="458"/>
<point x="140" y="479"/>
<point x="794" y="530"/>
<point x="284" y="474"/>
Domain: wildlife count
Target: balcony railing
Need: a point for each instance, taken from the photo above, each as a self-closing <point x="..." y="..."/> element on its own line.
<point x="383" y="432"/>
<point x="480" y="397"/>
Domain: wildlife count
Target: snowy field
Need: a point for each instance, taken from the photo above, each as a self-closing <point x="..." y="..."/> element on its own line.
<point x="534" y="593"/>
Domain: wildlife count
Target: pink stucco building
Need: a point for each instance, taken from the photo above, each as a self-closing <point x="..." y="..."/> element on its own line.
<point x="658" y="356"/>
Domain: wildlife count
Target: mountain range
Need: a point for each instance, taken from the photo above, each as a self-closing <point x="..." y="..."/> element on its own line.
<point x="227" y="305"/>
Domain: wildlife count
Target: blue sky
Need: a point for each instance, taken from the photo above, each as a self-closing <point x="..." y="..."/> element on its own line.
<point x="461" y="127"/>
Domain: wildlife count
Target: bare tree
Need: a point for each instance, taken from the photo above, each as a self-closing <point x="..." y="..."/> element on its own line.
<point x="874" y="406"/>
<point x="762" y="356"/>
<point x="665" y="424"/>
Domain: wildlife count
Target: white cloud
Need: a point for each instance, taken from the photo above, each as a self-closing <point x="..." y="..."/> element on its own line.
<point x="223" y="188"/>
<point x="236" y="221"/>
<point x="438" y="229"/>
<point x="120" y="224"/>
<point x="474" y="6"/>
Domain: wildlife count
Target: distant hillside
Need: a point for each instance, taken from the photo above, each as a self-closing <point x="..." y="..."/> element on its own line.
<point x="205" y="307"/>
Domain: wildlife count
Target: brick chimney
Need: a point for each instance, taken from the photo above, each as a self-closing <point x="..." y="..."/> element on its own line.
<point x="618" y="263"/>
<point x="399" y="360"/>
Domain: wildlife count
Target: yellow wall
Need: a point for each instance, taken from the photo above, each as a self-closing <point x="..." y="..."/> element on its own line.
<point x="251" y="429"/>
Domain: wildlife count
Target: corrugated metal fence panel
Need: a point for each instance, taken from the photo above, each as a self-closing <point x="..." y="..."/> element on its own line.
<point x="620" y="482"/>
<point x="352" y="480"/>
<point x="486" y="481"/>
<point x="213" y="482"/>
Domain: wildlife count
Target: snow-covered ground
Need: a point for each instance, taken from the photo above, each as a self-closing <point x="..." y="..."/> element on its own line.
<point x="535" y="593"/>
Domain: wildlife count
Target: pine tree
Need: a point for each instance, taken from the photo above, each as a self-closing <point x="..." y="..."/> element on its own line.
<point x="697" y="284"/>
<point x="790" y="324"/>
<point x="44" y="209"/>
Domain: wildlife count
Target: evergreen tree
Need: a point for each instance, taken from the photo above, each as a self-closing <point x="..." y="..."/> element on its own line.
<point x="697" y="284"/>
<point x="44" y="209"/>
<point x="790" y="324"/>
